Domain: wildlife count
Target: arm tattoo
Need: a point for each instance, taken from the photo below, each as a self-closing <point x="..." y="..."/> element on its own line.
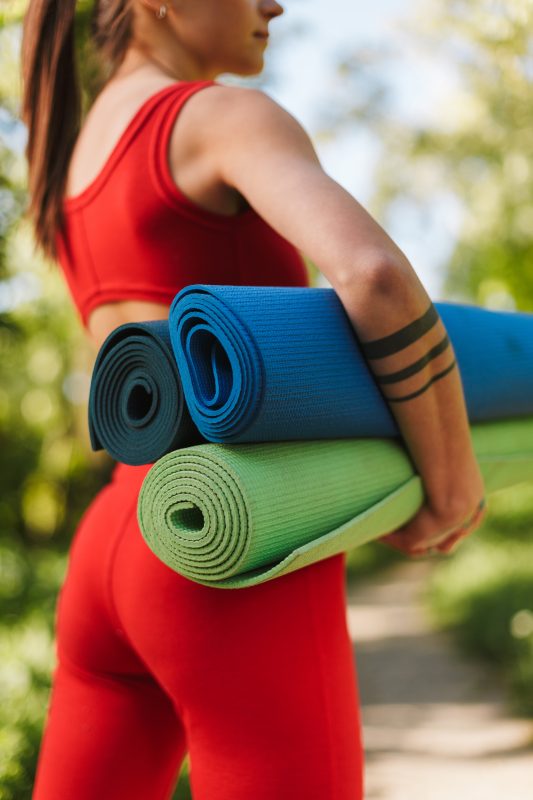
<point x="388" y="345"/>
<point x="412" y="369"/>
<point x="424" y="388"/>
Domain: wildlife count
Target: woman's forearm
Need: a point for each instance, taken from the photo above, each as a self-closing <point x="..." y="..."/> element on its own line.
<point x="407" y="349"/>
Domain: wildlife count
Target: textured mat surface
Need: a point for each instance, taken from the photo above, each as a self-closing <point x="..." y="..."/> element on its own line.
<point x="236" y="515"/>
<point x="137" y="410"/>
<point x="265" y="364"/>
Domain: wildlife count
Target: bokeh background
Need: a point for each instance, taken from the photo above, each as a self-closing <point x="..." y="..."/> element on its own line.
<point x="423" y="110"/>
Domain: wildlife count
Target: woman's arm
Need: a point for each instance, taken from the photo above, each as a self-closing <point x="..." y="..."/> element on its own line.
<point x="258" y="148"/>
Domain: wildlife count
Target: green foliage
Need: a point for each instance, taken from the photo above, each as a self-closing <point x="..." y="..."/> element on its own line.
<point x="12" y="12"/>
<point x="476" y="152"/>
<point x="47" y="473"/>
<point x="487" y="152"/>
<point x="484" y="593"/>
<point x="26" y="659"/>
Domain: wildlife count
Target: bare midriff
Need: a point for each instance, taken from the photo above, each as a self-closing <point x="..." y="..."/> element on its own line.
<point x="108" y="316"/>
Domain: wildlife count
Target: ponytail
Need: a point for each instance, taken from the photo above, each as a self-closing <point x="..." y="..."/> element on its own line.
<point x="51" y="105"/>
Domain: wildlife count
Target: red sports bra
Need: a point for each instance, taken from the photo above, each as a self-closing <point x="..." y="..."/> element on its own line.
<point x="131" y="234"/>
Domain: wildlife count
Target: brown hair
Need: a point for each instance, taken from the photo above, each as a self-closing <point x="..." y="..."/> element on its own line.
<point x="51" y="105"/>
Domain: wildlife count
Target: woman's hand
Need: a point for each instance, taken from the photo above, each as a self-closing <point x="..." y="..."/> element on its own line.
<point x="439" y="528"/>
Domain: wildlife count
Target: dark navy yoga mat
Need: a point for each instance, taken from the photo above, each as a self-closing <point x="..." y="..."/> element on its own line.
<point x="262" y="363"/>
<point x="137" y="410"/>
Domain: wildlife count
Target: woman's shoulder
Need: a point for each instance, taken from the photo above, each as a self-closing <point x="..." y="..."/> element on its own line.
<point x="225" y="106"/>
<point x="209" y="120"/>
<point x="228" y="119"/>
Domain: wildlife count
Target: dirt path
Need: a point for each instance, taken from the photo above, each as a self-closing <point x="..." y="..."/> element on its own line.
<point x="435" y="725"/>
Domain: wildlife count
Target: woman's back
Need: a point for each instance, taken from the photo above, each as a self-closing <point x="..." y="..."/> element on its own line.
<point x="146" y="213"/>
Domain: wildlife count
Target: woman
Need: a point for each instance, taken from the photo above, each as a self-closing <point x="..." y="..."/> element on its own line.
<point x="177" y="179"/>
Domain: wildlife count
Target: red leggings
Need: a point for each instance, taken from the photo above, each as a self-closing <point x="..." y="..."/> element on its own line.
<point x="258" y="685"/>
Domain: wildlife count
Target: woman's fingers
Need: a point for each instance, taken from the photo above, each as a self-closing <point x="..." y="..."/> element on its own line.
<point x="472" y="525"/>
<point x="416" y="535"/>
<point x="421" y="534"/>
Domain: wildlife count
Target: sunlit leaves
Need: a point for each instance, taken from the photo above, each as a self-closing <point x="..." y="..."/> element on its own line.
<point x="477" y="148"/>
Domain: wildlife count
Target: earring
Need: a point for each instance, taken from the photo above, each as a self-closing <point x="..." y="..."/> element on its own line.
<point x="162" y="11"/>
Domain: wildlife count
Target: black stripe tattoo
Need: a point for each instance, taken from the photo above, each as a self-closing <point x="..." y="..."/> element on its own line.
<point x="424" y="388"/>
<point x="388" y="345"/>
<point x="412" y="369"/>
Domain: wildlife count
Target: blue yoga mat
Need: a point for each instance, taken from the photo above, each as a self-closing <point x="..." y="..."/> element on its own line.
<point x="137" y="410"/>
<point x="263" y="363"/>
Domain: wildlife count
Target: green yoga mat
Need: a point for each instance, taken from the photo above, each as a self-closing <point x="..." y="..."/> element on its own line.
<point x="237" y="515"/>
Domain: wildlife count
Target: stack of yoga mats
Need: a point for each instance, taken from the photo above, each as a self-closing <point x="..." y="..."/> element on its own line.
<point x="306" y="458"/>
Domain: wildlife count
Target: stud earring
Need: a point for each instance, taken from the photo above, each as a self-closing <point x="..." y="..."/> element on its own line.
<point x="162" y="11"/>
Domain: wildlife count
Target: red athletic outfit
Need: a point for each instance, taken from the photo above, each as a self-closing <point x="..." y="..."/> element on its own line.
<point x="257" y="684"/>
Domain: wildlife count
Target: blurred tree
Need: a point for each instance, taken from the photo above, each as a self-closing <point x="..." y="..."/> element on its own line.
<point x="45" y="364"/>
<point x="478" y="150"/>
<point x="47" y="472"/>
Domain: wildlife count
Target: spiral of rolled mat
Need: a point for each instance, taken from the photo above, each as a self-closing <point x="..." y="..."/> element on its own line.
<point x="262" y="363"/>
<point x="236" y="515"/>
<point x="137" y="410"/>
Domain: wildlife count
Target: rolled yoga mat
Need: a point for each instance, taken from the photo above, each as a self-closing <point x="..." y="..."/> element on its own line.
<point x="137" y="410"/>
<point x="262" y="363"/>
<point x="237" y="515"/>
